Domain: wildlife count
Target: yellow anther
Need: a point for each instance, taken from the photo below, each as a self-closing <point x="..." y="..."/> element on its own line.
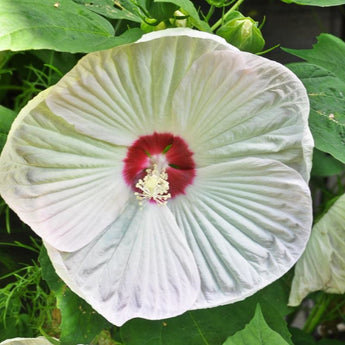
<point x="154" y="186"/>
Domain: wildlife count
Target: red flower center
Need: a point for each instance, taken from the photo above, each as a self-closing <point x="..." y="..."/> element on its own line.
<point x="167" y="152"/>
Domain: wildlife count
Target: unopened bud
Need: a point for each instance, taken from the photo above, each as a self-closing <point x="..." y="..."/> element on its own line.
<point x="243" y="33"/>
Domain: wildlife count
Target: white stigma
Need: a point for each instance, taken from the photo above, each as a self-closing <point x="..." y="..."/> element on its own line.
<point x="154" y="186"/>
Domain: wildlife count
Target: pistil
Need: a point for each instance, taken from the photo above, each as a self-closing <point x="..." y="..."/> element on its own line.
<point x="154" y="186"/>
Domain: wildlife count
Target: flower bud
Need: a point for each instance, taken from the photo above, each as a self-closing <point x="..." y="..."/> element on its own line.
<point x="180" y="20"/>
<point x="243" y="33"/>
<point x="150" y="25"/>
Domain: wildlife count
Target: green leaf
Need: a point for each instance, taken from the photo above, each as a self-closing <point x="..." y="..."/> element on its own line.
<point x="327" y="102"/>
<point x="189" y="7"/>
<point x="80" y="323"/>
<point x="328" y="52"/>
<point x="124" y="9"/>
<point x="257" y="332"/>
<point x="322" y="265"/>
<point x="299" y="337"/>
<point x="36" y="24"/>
<point x="325" y="165"/>
<point x="321" y="3"/>
<point x="48" y="272"/>
<point x="6" y="118"/>
<point x="324" y="78"/>
<point x="212" y="326"/>
<point x="161" y="10"/>
<point x="329" y="342"/>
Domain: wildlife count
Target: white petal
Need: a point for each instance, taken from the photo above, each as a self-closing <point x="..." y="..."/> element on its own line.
<point x="186" y="32"/>
<point x="26" y="341"/>
<point x="140" y="266"/>
<point x="235" y="104"/>
<point x="322" y="265"/>
<point x="67" y="187"/>
<point x="119" y="94"/>
<point x="247" y="222"/>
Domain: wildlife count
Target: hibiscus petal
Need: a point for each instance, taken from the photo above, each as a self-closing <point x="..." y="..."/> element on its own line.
<point x="59" y="181"/>
<point x="26" y="341"/>
<point x="322" y="265"/>
<point x="235" y="104"/>
<point x="186" y="32"/>
<point x="140" y="266"/>
<point x="244" y="226"/>
<point x="119" y="94"/>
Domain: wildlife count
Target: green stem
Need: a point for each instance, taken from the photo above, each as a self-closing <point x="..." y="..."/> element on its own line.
<point x="7" y="220"/>
<point x="209" y="14"/>
<point x="11" y="87"/>
<point x="221" y="20"/>
<point x="317" y="313"/>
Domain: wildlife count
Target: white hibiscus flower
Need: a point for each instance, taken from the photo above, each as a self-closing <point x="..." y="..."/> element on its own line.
<point x="165" y="175"/>
<point x="322" y="265"/>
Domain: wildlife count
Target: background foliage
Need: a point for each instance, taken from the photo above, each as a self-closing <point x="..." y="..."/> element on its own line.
<point x="39" y="43"/>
